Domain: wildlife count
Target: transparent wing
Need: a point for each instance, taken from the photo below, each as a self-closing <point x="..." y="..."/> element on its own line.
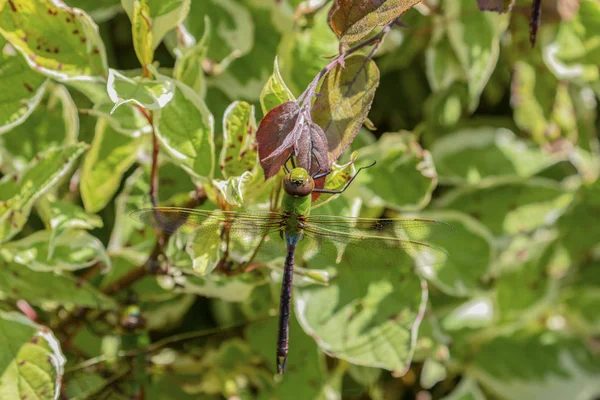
<point x="185" y="220"/>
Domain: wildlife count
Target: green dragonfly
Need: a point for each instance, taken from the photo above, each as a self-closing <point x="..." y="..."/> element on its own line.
<point x="324" y="235"/>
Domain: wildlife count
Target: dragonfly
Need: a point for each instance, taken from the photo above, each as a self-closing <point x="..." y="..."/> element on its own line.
<point x="326" y="236"/>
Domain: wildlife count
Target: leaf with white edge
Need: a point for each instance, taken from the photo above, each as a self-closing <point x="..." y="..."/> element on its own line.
<point x="467" y="389"/>
<point x="185" y="128"/>
<point x="126" y="119"/>
<point x="188" y="67"/>
<point x="353" y="20"/>
<point x="275" y="92"/>
<point x="110" y="156"/>
<point x="373" y="323"/>
<point x="343" y="102"/>
<point x="31" y="363"/>
<point x="399" y="159"/>
<point x="52" y="124"/>
<point x="471" y="155"/>
<point x="19" y="192"/>
<point x="61" y="216"/>
<point x="22" y="91"/>
<point x="475" y="39"/>
<point x="509" y="206"/>
<point x="339" y="176"/>
<point x="149" y="94"/>
<point x="161" y="15"/>
<point x="61" y="42"/>
<point x="71" y="251"/>
<point x="462" y="273"/>
<point x="142" y="32"/>
<point x="544" y="365"/>
<point x="17" y="281"/>
<point x="240" y="151"/>
<point x="475" y="313"/>
<point x="236" y="289"/>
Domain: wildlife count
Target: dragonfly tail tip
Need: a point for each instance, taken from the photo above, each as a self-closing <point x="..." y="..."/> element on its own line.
<point x="281" y="362"/>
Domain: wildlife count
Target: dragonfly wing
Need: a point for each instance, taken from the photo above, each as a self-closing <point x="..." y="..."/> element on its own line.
<point x="185" y="220"/>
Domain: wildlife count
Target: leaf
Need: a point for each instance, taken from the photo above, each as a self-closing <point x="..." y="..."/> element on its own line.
<point x="463" y="272"/>
<point x="373" y="323"/>
<point x="149" y="94"/>
<point x="475" y="40"/>
<point x="185" y="128"/>
<point x="275" y="137"/>
<point x="399" y="157"/>
<point x="188" y="67"/>
<point x="110" y="156"/>
<point x="239" y="152"/>
<point x="52" y="124"/>
<point x="343" y="102"/>
<point x="544" y="365"/>
<point x="275" y="92"/>
<point x="126" y="119"/>
<point x="99" y="10"/>
<point x="442" y="64"/>
<point x="70" y="251"/>
<point x="160" y="16"/>
<point x="237" y="289"/>
<point x="352" y="21"/>
<point x="472" y="155"/>
<point x="305" y="369"/>
<point x="142" y="32"/>
<point x="24" y="88"/>
<point x="60" y="42"/>
<point x="509" y="206"/>
<point x="582" y="298"/>
<point x="467" y="389"/>
<point x="32" y="363"/>
<point x="19" y="282"/>
<point x="19" y="192"/>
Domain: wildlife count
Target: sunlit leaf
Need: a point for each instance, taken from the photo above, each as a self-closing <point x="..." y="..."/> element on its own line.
<point x="343" y="102"/>
<point x="61" y="42"/>
<point x="149" y="94"/>
<point x="18" y="192"/>
<point x="32" y="363"/>
<point x="239" y="152"/>
<point x="142" y="32"/>
<point x="275" y="92"/>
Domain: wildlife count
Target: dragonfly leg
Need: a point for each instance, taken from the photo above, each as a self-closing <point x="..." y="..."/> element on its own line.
<point x="342" y="190"/>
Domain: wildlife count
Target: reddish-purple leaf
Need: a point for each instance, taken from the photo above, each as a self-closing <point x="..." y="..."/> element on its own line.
<point x="275" y="137"/>
<point x="500" y="6"/>
<point x="311" y="149"/>
<point x="352" y="20"/>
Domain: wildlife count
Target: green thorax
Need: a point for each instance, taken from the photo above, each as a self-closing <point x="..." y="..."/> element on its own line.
<point x="295" y="207"/>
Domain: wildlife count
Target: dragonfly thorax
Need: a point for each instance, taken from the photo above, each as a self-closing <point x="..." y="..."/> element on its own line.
<point x="298" y="183"/>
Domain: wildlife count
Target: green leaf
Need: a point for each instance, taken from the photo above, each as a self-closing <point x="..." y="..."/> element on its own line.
<point x="373" y="323"/>
<point x="126" y="119"/>
<point x="442" y="65"/>
<point x="344" y="100"/>
<point x="510" y="206"/>
<point x="305" y="370"/>
<point x="275" y="92"/>
<point x="352" y="21"/>
<point x="235" y="289"/>
<point x="463" y="272"/>
<point x="161" y="16"/>
<point x="110" y="156"/>
<point x="71" y="251"/>
<point x="582" y="297"/>
<point x="185" y="128"/>
<point x="239" y="153"/>
<point x="142" y="32"/>
<point x="18" y="192"/>
<point x="188" y="67"/>
<point x="472" y="155"/>
<point x="467" y="389"/>
<point x="52" y="124"/>
<point x="62" y="43"/>
<point x="546" y="365"/>
<point x="31" y="365"/>
<point x="23" y="88"/>
<point x="475" y="39"/>
<point x="99" y="10"/>
<point x="399" y="157"/>
<point x="149" y="94"/>
<point x="301" y="51"/>
<point x="19" y="282"/>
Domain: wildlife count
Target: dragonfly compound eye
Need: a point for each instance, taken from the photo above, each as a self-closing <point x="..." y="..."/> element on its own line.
<point x="298" y="183"/>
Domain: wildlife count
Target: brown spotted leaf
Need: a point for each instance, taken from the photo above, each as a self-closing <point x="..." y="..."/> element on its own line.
<point x="344" y="101"/>
<point x="352" y="20"/>
<point x="239" y="152"/>
<point x="59" y="41"/>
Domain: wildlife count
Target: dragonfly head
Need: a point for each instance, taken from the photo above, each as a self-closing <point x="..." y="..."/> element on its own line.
<point x="132" y="319"/>
<point x="298" y="183"/>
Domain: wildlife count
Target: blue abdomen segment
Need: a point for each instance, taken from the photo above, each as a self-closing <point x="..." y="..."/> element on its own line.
<point x="292" y="240"/>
